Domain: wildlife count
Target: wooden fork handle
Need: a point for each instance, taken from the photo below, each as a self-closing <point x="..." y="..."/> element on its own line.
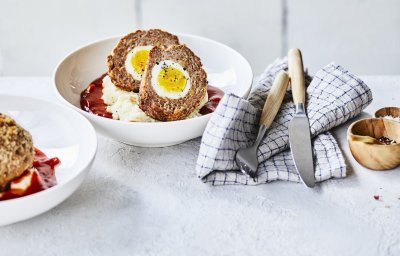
<point x="296" y="72"/>
<point x="274" y="99"/>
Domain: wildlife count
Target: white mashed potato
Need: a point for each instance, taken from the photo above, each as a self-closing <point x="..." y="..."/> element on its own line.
<point x="124" y="106"/>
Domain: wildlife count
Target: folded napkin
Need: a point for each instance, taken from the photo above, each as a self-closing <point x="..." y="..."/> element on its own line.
<point x="333" y="97"/>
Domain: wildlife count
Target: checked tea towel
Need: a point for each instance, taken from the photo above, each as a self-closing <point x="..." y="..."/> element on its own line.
<point x="333" y="97"/>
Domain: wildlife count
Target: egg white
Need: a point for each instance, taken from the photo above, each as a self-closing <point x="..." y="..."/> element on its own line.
<point x="159" y="90"/>
<point x="128" y="64"/>
<point x="25" y="182"/>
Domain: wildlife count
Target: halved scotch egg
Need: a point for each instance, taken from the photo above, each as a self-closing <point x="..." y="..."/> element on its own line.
<point x="128" y="59"/>
<point x="174" y="84"/>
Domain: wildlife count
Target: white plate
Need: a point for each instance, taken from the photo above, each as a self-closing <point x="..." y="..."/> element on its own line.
<point x="226" y="69"/>
<point x="59" y="132"/>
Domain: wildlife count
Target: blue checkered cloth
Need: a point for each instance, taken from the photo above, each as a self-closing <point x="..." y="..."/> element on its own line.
<point x="333" y="96"/>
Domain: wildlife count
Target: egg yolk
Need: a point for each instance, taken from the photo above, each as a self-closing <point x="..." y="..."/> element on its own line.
<point x="139" y="59"/>
<point x="171" y="79"/>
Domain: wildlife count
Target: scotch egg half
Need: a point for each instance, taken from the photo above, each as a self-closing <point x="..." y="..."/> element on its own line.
<point x="136" y="59"/>
<point x="169" y="79"/>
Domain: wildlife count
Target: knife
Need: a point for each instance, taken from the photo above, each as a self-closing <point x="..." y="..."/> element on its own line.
<point x="299" y="126"/>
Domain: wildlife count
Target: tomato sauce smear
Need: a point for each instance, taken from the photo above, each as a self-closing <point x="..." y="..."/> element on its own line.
<point x="39" y="177"/>
<point x="91" y="100"/>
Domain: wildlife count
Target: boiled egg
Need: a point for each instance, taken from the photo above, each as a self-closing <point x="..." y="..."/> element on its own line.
<point x="169" y="79"/>
<point x="136" y="59"/>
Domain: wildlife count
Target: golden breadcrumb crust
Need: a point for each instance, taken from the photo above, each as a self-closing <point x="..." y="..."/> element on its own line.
<point x="16" y="150"/>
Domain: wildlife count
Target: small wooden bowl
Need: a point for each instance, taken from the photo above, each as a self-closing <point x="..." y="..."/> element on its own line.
<point x="388" y="111"/>
<point x="370" y="154"/>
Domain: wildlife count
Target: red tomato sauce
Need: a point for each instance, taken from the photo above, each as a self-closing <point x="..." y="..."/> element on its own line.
<point x="43" y="177"/>
<point x="92" y="102"/>
<point x="214" y="97"/>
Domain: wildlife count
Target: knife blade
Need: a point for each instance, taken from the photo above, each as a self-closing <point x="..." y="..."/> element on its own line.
<point x="299" y="126"/>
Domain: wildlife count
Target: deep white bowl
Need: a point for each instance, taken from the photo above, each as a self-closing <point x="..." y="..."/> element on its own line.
<point x="226" y="69"/>
<point x="60" y="132"/>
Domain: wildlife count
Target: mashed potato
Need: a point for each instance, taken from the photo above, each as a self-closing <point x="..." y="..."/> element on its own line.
<point x="124" y="106"/>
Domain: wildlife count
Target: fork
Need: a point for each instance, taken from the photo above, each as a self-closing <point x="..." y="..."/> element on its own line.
<point x="246" y="158"/>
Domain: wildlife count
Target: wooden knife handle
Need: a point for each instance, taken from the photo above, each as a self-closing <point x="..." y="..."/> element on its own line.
<point x="296" y="73"/>
<point x="274" y="99"/>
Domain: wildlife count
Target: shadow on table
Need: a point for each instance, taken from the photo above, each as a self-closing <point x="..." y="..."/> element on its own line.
<point x="340" y="133"/>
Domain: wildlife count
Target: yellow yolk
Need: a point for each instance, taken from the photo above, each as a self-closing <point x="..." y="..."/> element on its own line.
<point x="139" y="59"/>
<point x="171" y="79"/>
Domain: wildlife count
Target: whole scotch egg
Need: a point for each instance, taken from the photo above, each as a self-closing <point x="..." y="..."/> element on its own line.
<point x="174" y="84"/>
<point x="128" y="59"/>
<point x="16" y="150"/>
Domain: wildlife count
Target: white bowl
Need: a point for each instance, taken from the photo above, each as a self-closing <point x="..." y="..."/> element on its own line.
<point x="226" y="69"/>
<point x="59" y="132"/>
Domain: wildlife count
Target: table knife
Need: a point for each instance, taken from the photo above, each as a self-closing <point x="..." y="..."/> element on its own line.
<point x="299" y="126"/>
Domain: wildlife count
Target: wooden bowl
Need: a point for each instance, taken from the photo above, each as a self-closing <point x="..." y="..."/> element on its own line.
<point x="388" y="111"/>
<point x="371" y="153"/>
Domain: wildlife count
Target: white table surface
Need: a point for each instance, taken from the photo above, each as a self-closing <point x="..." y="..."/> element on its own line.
<point x="148" y="201"/>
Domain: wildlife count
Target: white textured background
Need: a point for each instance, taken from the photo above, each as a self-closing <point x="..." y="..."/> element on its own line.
<point x="362" y="35"/>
